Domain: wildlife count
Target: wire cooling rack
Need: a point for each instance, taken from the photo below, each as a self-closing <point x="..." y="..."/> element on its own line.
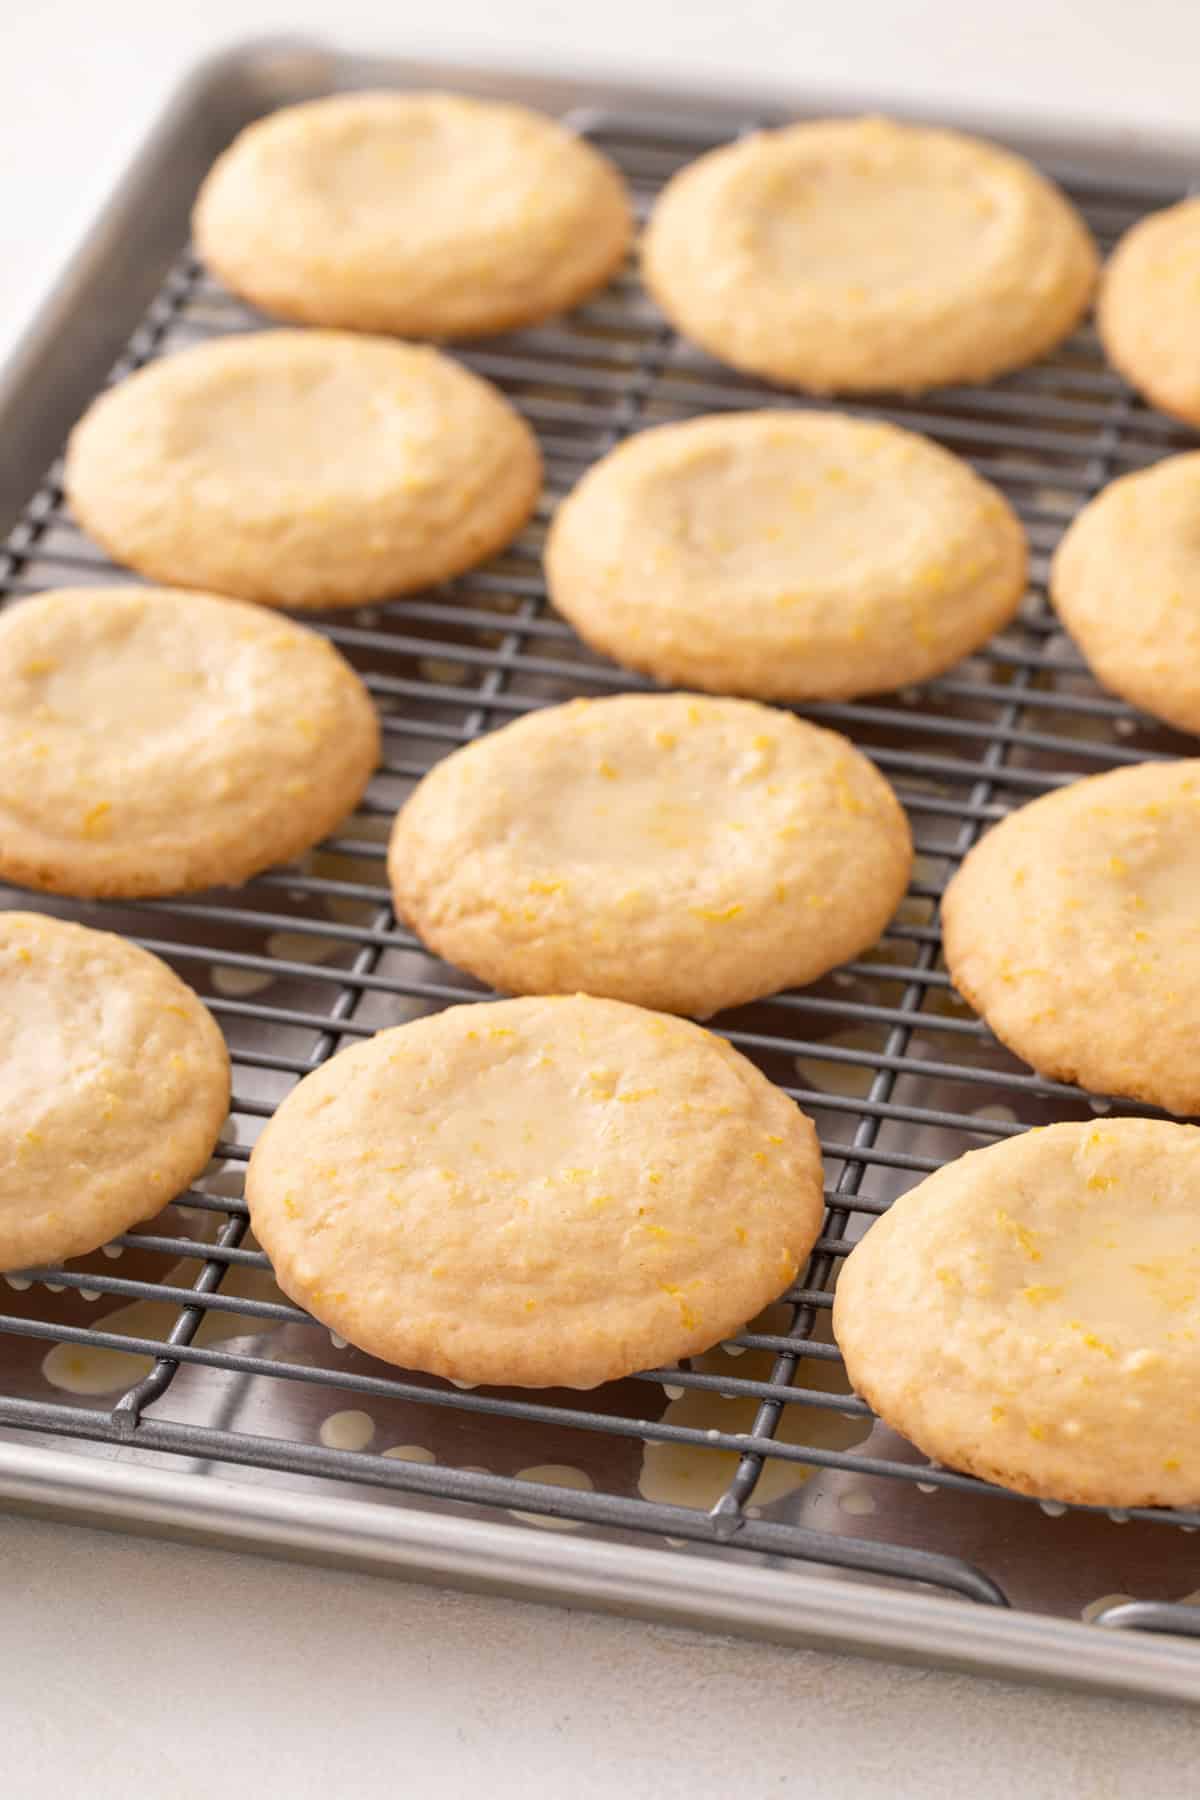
<point x="173" y="1342"/>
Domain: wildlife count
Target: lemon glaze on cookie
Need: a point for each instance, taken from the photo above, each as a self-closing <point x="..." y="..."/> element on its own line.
<point x="852" y="255"/>
<point x="428" y="215"/>
<point x="672" y="850"/>
<point x="1086" y="899"/>
<point x="1139" y="537"/>
<point x="1030" y="1313"/>
<point x="536" y="1192"/>
<point x="1148" y="310"/>
<point x="91" y="1144"/>
<point x="785" y="555"/>
<point x="156" y="741"/>
<point x="302" y="469"/>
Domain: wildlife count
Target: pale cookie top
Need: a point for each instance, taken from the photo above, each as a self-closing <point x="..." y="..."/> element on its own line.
<point x="787" y="555"/>
<point x="1126" y="582"/>
<point x="853" y="254"/>
<point x="673" y="851"/>
<point x="536" y="1193"/>
<point x="1148" y="312"/>
<point x="302" y="468"/>
<point x="1031" y="1313"/>
<point x="1073" y="928"/>
<point x="430" y="215"/>
<point x="154" y="741"/>
<point x="114" y="1085"/>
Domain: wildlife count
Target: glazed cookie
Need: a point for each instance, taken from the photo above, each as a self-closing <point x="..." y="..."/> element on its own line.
<point x="1030" y="1313"/>
<point x="154" y="741"/>
<point x="1126" y="582"/>
<point x="430" y="215"/>
<point x="676" y="852"/>
<point x="114" y="1085"/>
<point x="302" y="468"/>
<point x="786" y="555"/>
<point x="844" y="255"/>
<point x="1148" y="313"/>
<point x="1072" y="928"/>
<point x="536" y="1193"/>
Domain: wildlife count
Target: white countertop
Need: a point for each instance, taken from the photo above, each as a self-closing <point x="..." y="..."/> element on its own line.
<point x="141" y="1668"/>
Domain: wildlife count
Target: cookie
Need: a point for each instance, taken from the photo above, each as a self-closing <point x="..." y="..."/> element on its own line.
<point x="1126" y="583"/>
<point x="676" y="852"/>
<point x="785" y="555"/>
<point x="1072" y="928"/>
<point x="536" y="1193"/>
<point x="153" y="741"/>
<point x="1031" y="1313"/>
<point x="844" y="255"/>
<point x="114" y="1085"/>
<point x="430" y="215"/>
<point x="302" y="468"/>
<point x="1148" y="311"/>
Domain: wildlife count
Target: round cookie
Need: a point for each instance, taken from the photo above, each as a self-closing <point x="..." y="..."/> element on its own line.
<point x="430" y="215"/>
<point x="536" y="1193"/>
<point x="114" y="1085"/>
<point x="1148" y="311"/>
<point x="302" y="468"/>
<point x="785" y="555"/>
<point x="1072" y="928"/>
<point x="682" y="853"/>
<point x="1126" y="583"/>
<point x="154" y="741"/>
<point x="1031" y="1313"/>
<point x="844" y="255"/>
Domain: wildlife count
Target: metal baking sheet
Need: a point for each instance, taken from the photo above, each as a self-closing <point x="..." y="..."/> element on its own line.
<point x="165" y="1383"/>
